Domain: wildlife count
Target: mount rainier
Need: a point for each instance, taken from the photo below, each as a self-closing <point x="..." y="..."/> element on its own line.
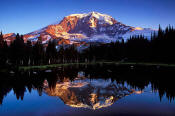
<point x="80" y="29"/>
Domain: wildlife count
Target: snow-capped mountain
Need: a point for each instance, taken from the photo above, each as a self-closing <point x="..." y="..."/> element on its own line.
<point x="83" y="28"/>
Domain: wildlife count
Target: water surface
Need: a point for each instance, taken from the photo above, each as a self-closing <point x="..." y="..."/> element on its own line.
<point x="104" y="90"/>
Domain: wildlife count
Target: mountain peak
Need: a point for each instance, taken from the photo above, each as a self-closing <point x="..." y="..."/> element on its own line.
<point x="91" y="16"/>
<point x="87" y="14"/>
<point x="93" y="13"/>
<point x="84" y="28"/>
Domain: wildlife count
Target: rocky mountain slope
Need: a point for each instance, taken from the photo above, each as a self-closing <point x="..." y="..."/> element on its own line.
<point x="84" y="28"/>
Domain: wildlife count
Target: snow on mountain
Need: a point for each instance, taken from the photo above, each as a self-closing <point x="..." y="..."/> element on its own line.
<point x="103" y="38"/>
<point x="81" y="29"/>
<point x="9" y="37"/>
<point x="103" y="18"/>
<point x="139" y="31"/>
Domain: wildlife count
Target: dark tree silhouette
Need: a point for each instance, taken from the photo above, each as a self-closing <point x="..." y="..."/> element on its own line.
<point x="159" y="48"/>
<point x="17" y="50"/>
<point x="3" y="51"/>
<point x="51" y="53"/>
<point x="38" y="53"/>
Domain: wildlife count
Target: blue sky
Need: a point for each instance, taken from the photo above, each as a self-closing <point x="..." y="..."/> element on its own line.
<point x="23" y="16"/>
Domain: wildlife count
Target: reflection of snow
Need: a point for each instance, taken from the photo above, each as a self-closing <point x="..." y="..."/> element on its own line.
<point x="67" y="85"/>
<point x="87" y="93"/>
<point x="81" y="74"/>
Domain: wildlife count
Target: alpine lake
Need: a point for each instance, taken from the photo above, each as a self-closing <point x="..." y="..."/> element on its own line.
<point x="89" y="90"/>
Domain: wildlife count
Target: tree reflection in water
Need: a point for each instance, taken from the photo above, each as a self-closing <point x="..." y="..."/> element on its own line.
<point x="91" y="86"/>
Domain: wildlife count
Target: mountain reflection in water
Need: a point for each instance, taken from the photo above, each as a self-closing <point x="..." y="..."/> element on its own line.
<point x="91" y="86"/>
<point x="86" y="93"/>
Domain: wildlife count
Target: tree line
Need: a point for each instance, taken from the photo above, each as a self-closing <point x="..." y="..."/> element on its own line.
<point x="20" y="53"/>
<point x="159" y="48"/>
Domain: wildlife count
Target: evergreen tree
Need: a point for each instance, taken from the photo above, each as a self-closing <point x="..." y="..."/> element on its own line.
<point x="38" y="52"/>
<point x="61" y="54"/>
<point x="3" y="51"/>
<point x="17" y="49"/>
<point x="28" y="52"/>
<point x="51" y="52"/>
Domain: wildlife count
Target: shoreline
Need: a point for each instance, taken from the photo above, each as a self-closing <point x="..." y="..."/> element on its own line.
<point x="93" y="63"/>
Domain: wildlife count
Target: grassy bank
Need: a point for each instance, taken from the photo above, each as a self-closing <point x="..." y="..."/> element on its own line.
<point x="91" y="63"/>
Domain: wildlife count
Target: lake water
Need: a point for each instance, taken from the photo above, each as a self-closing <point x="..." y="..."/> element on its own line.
<point x="91" y="90"/>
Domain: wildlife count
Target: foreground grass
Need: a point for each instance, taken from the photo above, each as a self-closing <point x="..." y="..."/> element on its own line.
<point x="47" y="66"/>
<point x="93" y="63"/>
